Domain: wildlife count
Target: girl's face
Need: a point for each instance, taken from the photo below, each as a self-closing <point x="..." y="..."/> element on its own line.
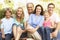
<point x="38" y="10"/>
<point x="19" y="12"/>
<point x="46" y="15"/>
<point x="8" y="14"/>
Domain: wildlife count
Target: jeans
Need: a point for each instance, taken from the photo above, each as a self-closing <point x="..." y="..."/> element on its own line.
<point x="8" y="36"/>
<point x="41" y="32"/>
<point x="0" y="36"/>
<point x="45" y="33"/>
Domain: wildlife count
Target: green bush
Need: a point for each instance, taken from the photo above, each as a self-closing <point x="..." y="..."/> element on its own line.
<point x="2" y="13"/>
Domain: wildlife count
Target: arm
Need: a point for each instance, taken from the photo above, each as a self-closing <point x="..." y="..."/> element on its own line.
<point x="31" y="29"/>
<point x="57" y="21"/>
<point x="2" y="30"/>
<point x="56" y="30"/>
<point x="53" y="25"/>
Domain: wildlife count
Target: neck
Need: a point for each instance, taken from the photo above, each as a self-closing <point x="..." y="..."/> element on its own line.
<point x="29" y="13"/>
<point x="37" y="14"/>
<point x="46" y="19"/>
<point x="50" y="13"/>
<point x="7" y="17"/>
<point x="18" y="19"/>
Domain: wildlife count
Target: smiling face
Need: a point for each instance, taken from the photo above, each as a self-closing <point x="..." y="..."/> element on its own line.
<point x="46" y="15"/>
<point x="19" y="12"/>
<point x="38" y="10"/>
<point x="51" y="7"/>
<point x="30" y="8"/>
<point x="8" y="13"/>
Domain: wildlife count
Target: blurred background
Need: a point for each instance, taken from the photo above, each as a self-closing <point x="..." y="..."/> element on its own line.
<point x="14" y="4"/>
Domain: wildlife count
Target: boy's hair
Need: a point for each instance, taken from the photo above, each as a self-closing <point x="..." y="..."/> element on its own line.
<point x="7" y="9"/>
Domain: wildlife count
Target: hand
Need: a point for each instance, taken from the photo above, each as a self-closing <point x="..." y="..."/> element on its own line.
<point x="3" y="36"/>
<point x="54" y="34"/>
<point x="32" y="30"/>
<point x="23" y="30"/>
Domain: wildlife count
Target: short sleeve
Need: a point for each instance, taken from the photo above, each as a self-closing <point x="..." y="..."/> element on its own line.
<point x="2" y="26"/>
<point x="57" y="19"/>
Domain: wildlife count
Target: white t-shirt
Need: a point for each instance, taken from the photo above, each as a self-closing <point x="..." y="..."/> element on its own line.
<point x="26" y="15"/>
<point x="55" y="18"/>
<point x="7" y="25"/>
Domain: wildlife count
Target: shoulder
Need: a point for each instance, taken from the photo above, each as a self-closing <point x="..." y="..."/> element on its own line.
<point x="3" y="19"/>
<point x="55" y="14"/>
<point x="42" y="16"/>
<point x="32" y="14"/>
<point x="12" y="19"/>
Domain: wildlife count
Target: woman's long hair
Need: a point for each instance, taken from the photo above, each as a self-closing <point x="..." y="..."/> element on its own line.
<point x="22" y="15"/>
<point x="41" y="9"/>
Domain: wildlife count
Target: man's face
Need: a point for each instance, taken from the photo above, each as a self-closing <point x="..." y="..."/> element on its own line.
<point x="30" y="8"/>
<point x="51" y="8"/>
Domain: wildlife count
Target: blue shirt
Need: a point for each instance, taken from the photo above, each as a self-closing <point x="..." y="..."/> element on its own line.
<point x="7" y="25"/>
<point x="35" y="20"/>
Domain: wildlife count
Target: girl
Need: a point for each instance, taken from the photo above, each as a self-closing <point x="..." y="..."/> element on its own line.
<point x="47" y="21"/>
<point x="48" y="25"/>
<point x="19" y="24"/>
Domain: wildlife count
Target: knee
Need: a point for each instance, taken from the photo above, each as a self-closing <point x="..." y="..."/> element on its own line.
<point x="19" y="30"/>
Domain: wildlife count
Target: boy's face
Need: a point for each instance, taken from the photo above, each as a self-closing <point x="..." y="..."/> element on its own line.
<point x="8" y="14"/>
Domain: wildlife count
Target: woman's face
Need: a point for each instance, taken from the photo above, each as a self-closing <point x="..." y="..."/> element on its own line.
<point x="38" y="10"/>
<point x="19" y="12"/>
<point x="8" y="14"/>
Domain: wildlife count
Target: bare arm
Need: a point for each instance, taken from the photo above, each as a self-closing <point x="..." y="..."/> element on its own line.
<point x="3" y="35"/>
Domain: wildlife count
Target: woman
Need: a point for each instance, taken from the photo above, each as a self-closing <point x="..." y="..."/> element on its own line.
<point x="35" y="22"/>
<point x="19" y="25"/>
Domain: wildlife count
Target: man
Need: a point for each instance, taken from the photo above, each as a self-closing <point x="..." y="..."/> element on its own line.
<point x="54" y="17"/>
<point x="30" y="9"/>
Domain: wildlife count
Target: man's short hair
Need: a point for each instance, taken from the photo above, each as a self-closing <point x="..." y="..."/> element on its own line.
<point x="30" y="3"/>
<point x="51" y="4"/>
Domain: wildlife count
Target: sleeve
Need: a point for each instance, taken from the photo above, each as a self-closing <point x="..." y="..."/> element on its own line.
<point x="30" y="20"/>
<point x="2" y="26"/>
<point x="41" y="22"/>
<point x="57" y="19"/>
<point x="14" y="23"/>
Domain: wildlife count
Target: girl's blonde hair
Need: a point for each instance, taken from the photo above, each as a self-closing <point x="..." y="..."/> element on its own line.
<point x="22" y="16"/>
<point x="46" y="12"/>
